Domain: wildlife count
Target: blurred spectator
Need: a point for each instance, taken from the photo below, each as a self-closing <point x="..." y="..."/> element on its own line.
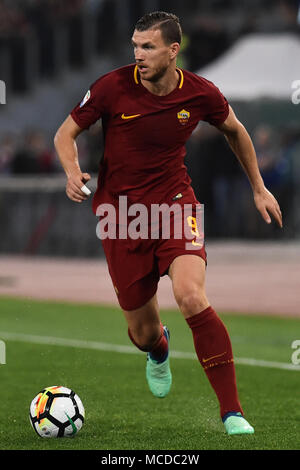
<point x="34" y="156"/>
<point x="59" y="32"/>
<point x="271" y="17"/>
<point x="208" y="39"/>
<point x="13" y="21"/>
<point x="221" y="185"/>
<point x="275" y="167"/>
<point x="7" y="151"/>
<point x="290" y="10"/>
<point x="94" y="147"/>
<point x="272" y="161"/>
<point x="46" y="17"/>
<point x="30" y="153"/>
<point x="217" y="177"/>
<point x="288" y="191"/>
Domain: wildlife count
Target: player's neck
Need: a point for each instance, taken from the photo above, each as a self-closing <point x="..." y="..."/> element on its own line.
<point x="164" y="85"/>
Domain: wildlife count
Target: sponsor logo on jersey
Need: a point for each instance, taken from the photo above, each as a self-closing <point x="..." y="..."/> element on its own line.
<point x="85" y="99"/>
<point x="183" y="116"/>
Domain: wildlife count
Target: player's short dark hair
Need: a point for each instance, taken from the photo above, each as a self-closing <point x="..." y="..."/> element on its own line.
<point x="168" y="23"/>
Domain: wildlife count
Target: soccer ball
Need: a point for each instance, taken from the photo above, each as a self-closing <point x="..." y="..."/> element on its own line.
<point x="56" y="412"/>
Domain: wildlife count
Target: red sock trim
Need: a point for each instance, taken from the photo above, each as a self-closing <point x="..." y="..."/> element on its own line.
<point x="214" y="351"/>
<point x="161" y="348"/>
<point x="200" y="318"/>
<point x="213" y="345"/>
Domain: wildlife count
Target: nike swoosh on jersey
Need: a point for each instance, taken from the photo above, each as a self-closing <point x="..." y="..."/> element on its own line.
<point x="213" y="357"/>
<point x="130" y="116"/>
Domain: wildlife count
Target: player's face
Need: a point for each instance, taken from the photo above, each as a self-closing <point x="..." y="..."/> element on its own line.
<point x="153" y="57"/>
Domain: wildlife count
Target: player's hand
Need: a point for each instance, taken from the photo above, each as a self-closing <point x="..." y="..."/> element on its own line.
<point x="267" y="205"/>
<point x="75" y="182"/>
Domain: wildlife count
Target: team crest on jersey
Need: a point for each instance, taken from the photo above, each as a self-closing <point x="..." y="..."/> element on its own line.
<point x="183" y="116"/>
<point x="85" y="99"/>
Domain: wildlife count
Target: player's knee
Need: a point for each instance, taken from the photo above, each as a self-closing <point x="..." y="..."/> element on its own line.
<point x="191" y="301"/>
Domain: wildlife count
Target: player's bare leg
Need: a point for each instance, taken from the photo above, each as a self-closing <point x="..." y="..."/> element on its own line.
<point x="144" y="324"/>
<point x="211" y="339"/>
<point x="148" y="334"/>
<point x="187" y="273"/>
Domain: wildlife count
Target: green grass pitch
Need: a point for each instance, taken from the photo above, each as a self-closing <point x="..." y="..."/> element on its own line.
<point x="121" y="413"/>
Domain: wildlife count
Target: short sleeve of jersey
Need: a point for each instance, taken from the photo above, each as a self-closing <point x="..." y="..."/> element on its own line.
<point x="93" y="105"/>
<point x="217" y="105"/>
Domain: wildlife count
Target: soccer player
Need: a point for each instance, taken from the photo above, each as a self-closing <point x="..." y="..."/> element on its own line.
<point x="149" y="109"/>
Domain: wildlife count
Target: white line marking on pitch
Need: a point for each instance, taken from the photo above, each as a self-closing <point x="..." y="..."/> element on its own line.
<point x="78" y="343"/>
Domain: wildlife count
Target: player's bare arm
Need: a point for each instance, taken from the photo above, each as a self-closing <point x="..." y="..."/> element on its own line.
<point x="242" y="146"/>
<point x="66" y="147"/>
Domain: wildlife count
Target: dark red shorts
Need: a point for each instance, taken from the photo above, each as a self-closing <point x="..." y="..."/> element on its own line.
<point x="135" y="266"/>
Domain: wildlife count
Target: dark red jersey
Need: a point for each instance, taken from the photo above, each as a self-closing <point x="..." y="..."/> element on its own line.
<point x="145" y="134"/>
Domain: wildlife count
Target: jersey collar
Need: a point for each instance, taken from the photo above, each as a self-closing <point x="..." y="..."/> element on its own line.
<point x="136" y="76"/>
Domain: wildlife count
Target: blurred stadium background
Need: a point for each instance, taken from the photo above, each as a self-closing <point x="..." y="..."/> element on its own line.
<point x="51" y="51"/>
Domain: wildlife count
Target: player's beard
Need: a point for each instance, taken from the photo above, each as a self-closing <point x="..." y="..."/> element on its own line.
<point x="157" y="74"/>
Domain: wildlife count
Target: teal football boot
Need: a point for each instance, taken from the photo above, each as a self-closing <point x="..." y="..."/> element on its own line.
<point x="158" y="374"/>
<point x="235" y="424"/>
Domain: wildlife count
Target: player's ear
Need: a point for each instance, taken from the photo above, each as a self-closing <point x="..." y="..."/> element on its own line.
<point x="174" y="50"/>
